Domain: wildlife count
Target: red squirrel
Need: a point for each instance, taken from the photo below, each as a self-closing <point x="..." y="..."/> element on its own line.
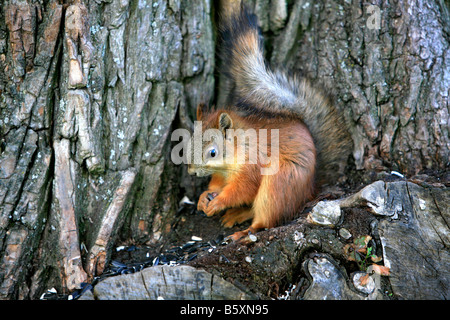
<point x="312" y="143"/>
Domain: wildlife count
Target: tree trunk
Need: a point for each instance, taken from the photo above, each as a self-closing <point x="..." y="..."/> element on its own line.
<point x="89" y="94"/>
<point x="387" y="63"/>
<point x="91" y="90"/>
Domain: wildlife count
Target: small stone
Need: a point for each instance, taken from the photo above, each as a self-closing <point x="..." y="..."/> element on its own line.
<point x="345" y="234"/>
<point x="328" y="281"/>
<point x="422" y="204"/>
<point x="327" y="213"/>
<point x="366" y="288"/>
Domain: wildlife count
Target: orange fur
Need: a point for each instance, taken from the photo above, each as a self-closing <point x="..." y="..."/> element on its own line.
<point x="268" y="199"/>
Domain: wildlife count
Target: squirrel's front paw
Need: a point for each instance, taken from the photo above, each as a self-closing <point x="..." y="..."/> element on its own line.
<point x="215" y="206"/>
<point x="204" y="200"/>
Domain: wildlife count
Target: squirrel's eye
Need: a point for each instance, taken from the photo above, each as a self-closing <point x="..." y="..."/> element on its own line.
<point x="212" y="153"/>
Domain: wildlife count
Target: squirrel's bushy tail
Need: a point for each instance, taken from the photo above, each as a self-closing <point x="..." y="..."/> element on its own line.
<point x="257" y="88"/>
<point x="243" y="62"/>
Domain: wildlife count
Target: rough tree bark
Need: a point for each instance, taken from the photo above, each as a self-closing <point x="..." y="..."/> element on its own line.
<point x="90" y="91"/>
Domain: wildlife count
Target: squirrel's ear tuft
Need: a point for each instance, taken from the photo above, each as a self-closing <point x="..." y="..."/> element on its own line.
<point x="225" y="122"/>
<point x="201" y="109"/>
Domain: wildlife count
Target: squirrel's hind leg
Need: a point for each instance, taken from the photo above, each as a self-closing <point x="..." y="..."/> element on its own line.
<point x="280" y="197"/>
<point x="260" y="209"/>
<point x="236" y="215"/>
